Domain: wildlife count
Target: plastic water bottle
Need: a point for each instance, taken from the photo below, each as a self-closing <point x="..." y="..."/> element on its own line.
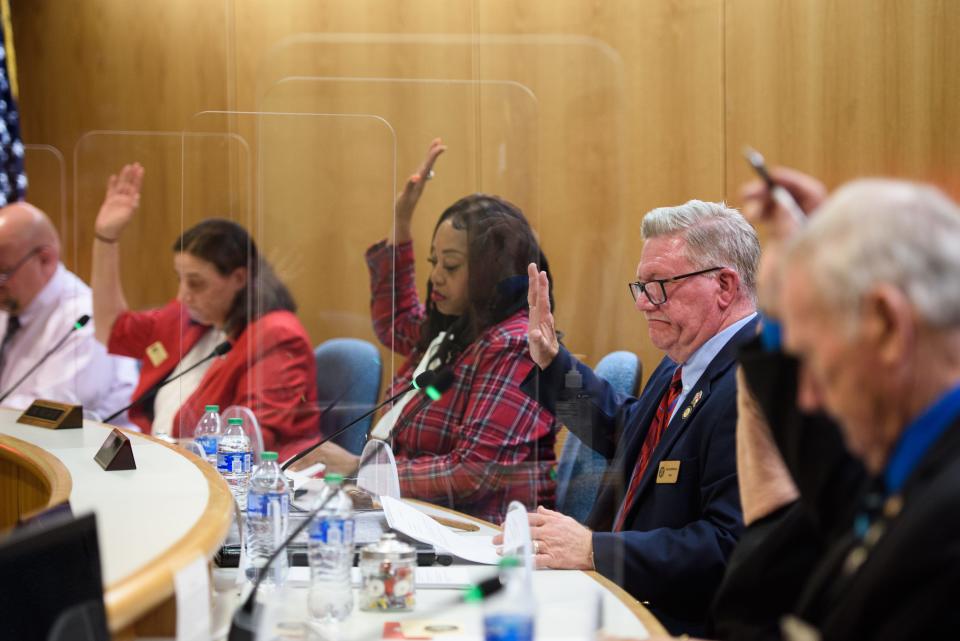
<point x="330" y="551"/>
<point x="207" y="434"/>
<point x="509" y="615"/>
<point x="235" y="459"/>
<point x="268" y="513"/>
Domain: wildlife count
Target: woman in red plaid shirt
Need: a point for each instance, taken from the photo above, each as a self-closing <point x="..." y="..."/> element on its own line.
<point x="484" y="443"/>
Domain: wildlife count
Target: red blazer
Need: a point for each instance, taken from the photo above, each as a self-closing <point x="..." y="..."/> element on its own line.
<point x="270" y="369"/>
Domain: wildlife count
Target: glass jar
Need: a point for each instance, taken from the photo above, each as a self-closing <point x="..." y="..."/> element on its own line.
<point x="387" y="570"/>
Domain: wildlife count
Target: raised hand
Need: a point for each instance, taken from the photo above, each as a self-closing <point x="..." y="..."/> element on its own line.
<point x="759" y="206"/>
<point x="412" y="190"/>
<point x="121" y="200"/>
<point x="541" y="333"/>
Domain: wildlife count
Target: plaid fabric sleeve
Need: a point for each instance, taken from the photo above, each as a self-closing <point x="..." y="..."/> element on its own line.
<point x="497" y="437"/>
<point x="394" y="305"/>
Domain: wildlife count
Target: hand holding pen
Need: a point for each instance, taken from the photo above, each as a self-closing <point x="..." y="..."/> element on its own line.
<point x="782" y="196"/>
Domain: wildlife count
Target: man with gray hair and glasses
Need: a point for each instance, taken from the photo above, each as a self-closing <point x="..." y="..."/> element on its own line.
<point x="669" y="515"/>
<point x="849" y="440"/>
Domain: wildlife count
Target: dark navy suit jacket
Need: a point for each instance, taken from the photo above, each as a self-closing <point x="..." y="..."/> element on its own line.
<point x="677" y="536"/>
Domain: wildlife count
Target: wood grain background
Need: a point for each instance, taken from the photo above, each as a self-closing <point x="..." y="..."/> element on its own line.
<point x="585" y="113"/>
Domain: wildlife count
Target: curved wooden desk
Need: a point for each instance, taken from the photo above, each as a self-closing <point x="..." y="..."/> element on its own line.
<point x="650" y="622"/>
<point x="151" y="521"/>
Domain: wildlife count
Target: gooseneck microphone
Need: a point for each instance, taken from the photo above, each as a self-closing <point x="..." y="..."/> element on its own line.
<point x="83" y="320"/>
<point x="425" y="382"/>
<point x="433" y="392"/>
<point x="219" y="350"/>
<point x="442" y="382"/>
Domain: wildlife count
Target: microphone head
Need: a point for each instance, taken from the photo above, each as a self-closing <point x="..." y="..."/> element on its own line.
<point x="222" y="348"/>
<point x="483" y="590"/>
<point x="440" y="384"/>
<point x="425" y="379"/>
<point x="83" y="320"/>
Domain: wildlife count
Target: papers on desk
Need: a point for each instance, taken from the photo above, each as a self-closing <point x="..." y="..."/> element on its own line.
<point x="304" y="476"/>
<point x="419" y="526"/>
<point x="431" y="578"/>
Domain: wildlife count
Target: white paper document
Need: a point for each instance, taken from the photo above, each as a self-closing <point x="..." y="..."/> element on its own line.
<point x="192" y="587"/>
<point x="417" y="525"/>
<point x="304" y="476"/>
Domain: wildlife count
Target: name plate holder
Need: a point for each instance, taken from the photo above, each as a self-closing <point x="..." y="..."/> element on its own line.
<point x="116" y="453"/>
<point x="52" y="415"/>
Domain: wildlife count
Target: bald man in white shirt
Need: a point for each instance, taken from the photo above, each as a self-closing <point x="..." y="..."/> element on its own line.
<point x="40" y="300"/>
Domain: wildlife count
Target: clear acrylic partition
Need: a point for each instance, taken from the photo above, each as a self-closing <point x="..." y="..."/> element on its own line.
<point x="146" y="272"/>
<point x="500" y="104"/>
<point x="337" y="124"/>
<point x="25" y="375"/>
<point x="45" y="165"/>
<point x="316" y="189"/>
<point x="378" y="470"/>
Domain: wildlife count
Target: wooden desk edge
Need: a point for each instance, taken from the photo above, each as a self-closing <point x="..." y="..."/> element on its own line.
<point x="649" y="621"/>
<point x="43" y="464"/>
<point x="640" y="611"/>
<point x="133" y="596"/>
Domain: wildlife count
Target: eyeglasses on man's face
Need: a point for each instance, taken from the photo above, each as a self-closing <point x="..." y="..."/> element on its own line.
<point x="656" y="290"/>
<point x="5" y="276"/>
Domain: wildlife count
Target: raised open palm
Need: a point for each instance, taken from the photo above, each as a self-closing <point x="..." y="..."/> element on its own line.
<point x="120" y="202"/>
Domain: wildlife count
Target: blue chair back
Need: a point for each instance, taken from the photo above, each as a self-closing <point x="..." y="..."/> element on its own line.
<point x="348" y="376"/>
<point x="580" y="469"/>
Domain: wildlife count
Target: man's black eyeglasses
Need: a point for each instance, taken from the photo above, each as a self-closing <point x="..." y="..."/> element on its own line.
<point x="8" y="274"/>
<point x="658" y="295"/>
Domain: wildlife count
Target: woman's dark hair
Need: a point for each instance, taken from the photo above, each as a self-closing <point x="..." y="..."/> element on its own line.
<point x="227" y="246"/>
<point x="500" y="245"/>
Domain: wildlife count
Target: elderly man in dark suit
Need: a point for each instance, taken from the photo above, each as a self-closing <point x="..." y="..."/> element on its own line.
<point x="666" y="522"/>
<point x="856" y="535"/>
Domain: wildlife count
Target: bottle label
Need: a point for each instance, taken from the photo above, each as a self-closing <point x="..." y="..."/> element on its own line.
<point x="268" y="504"/>
<point x="508" y="627"/>
<point x="208" y="443"/>
<point x="332" y="531"/>
<point x="234" y="462"/>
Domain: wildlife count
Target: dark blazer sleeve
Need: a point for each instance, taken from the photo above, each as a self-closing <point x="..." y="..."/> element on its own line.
<point x="765" y="575"/>
<point x="608" y="409"/>
<point x="826" y="474"/>
<point x="678" y="568"/>
<point x="776" y="554"/>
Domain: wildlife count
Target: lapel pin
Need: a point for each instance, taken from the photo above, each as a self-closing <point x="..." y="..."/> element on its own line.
<point x="696" y="398"/>
<point x="686" y="412"/>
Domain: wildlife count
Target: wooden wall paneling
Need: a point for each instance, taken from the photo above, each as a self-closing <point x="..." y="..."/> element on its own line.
<point x="627" y="99"/>
<point x="120" y="66"/>
<point x="845" y="89"/>
<point x="586" y="162"/>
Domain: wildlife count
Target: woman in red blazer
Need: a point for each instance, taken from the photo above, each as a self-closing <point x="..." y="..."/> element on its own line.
<point x="484" y="443"/>
<point x="227" y="292"/>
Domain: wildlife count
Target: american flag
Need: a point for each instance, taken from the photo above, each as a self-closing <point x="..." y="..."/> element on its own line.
<point x="13" y="178"/>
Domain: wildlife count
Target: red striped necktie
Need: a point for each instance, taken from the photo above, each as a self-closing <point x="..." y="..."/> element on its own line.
<point x="657" y="427"/>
